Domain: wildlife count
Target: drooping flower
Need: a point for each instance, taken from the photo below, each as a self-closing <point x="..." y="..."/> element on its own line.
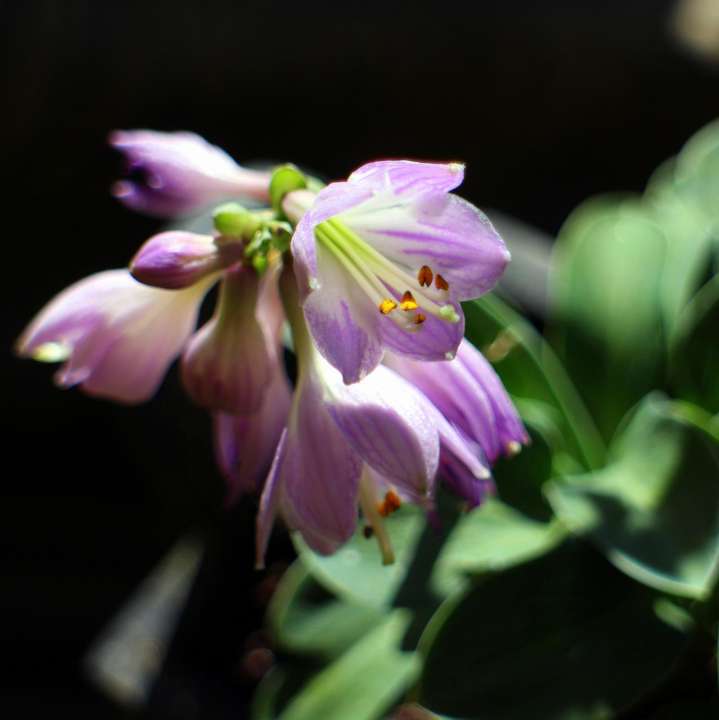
<point x="178" y="173"/>
<point x="245" y="444"/>
<point x="230" y="361"/>
<point x="375" y="443"/>
<point x="383" y="260"/>
<point x="471" y="396"/>
<point x="116" y="336"/>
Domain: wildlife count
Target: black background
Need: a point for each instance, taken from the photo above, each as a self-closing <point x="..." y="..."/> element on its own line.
<point x="547" y="102"/>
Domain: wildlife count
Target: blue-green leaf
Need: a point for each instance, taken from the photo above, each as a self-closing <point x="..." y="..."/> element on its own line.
<point x="654" y="509"/>
<point x="364" y="682"/>
<point x="564" y="636"/>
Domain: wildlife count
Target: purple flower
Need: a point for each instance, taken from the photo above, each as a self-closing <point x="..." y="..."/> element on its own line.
<point x="115" y="336"/>
<point x="369" y="443"/>
<point x="246" y="444"/>
<point x="230" y="361"/>
<point x="471" y="397"/>
<point x="338" y="440"/>
<point x="383" y="260"/>
<point x="178" y="173"/>
<point x="178" y="259"/>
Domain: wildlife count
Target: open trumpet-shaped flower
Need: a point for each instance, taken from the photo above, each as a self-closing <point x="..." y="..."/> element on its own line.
<point x="116" y="336"/>
<point x="383" y="260"/>
<point x="178" y="173"/>
<point x="334" y="434"/>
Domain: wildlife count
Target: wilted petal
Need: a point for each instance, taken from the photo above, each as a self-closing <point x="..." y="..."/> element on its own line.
<point x="179" y="173"/>
<point x="388" y="423"/>
<point x="227" y="365"/>
<point x="245" y="444"/>
<point x="117" y="336"/>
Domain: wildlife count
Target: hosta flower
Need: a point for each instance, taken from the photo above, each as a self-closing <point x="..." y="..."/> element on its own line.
<point x="178" y="173"/>
<point x="383" y="260"/>
<point x="471" y="396"/>
<point x="373" y="442"/>
<point x="119" y="336"/>
<point x="116" y="336"/>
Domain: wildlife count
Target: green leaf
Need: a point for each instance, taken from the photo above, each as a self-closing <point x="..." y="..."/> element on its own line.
<point x="530" y="371"/>
<point x="364" y="682"/>
<point x="606" y="293"/>
<point x="355" y="572"/>
<point x="655" y="508"/>
<point x="563" y="636"/>
<point x="695" y="360"/>
<point x="305" y="618"/>
<point x="697" y="169"/>
<point x="689" y="241"/>
<point x="492" y="537"/>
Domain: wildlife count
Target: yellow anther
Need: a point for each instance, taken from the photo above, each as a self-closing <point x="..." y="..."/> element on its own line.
<point x="408" y="302"/>
<point x="440" y="283"/>
<point x="386" y="306"/>
<point x="425" y="275"/>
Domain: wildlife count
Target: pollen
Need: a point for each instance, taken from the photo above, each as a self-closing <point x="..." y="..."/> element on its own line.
<point x="425" y="275"/>
<point x="386" y="306"/>
<point x="408" y="302"/>
<point x="440" y="283"/>
<point x="419" y="319"/>
<point x="391" y="503"/>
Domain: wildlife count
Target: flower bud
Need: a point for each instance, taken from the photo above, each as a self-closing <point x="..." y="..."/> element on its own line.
<point x="178" y="259"/>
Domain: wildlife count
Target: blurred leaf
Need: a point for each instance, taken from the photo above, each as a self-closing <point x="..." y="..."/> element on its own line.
<point x="491" y="537"/>
<point x="695" y="357"/>
<point x="305" y="618"/>
<point x="355" y="572"/>
<point x="606" y="293"/>
<point x="655" y="508"/>
<point x="562" y="636"/>
<point x="697" y="169"/>
<point x="364" y="682"/>
<point x="689" y="242"/>
<point x="530" y="371"/>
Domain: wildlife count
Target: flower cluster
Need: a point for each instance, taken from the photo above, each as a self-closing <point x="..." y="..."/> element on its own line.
<point x="367" y="274"/>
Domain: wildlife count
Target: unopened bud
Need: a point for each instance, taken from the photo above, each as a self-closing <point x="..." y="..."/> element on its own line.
<point x="233" y="220"/>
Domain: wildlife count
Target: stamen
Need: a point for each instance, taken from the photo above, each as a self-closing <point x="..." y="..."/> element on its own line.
<point x="424" y="276"/>
<point x="367" y="496"/>
<point x="419" y="318"/>
<point x="440" y="283"/>
<point x="391" y="503"/>
<point x="367" y="531"/>
<point x="408" y="302"/>
<point x="386" y="306"/>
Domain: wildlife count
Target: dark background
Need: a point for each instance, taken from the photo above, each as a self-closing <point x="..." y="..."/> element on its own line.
<point x="547" y="102"/>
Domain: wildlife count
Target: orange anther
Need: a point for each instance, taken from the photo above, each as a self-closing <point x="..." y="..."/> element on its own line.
<point x="391" y="503"/>
<point x="386" y="306"/>
<point x="440" y="283"/>
<point x="408" y="302"/>
<point x="419" y="319"/>
<point x="425" y="275"/>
